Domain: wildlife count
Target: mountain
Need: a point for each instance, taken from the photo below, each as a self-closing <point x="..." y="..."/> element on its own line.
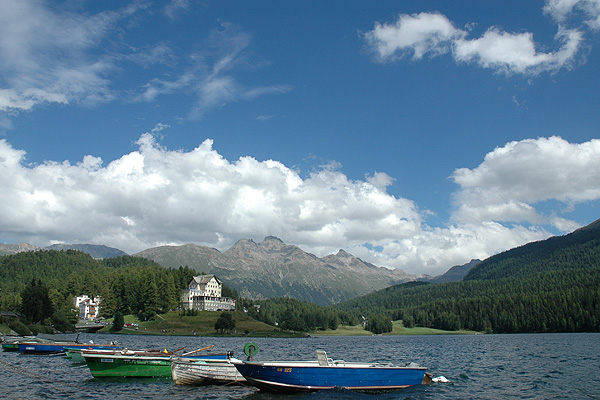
<point x="94" y="250"/>
<point x="579" y="249"/>
<point x="456" y="273"/>
<point x="9" y="249"/>
<point x="272" y="268"/>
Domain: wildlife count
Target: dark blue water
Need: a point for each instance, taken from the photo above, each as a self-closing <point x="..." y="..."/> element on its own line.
<point x="540" y="366"/>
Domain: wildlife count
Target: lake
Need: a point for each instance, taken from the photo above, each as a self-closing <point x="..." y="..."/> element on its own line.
<point x="532" y="366"/>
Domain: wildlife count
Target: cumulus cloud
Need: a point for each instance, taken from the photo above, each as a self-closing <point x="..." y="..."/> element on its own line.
<point x="421" y="34"/>
<point x="156" y="196"/>
<point x="432" y="34"/>
<point x="512" y="179"/>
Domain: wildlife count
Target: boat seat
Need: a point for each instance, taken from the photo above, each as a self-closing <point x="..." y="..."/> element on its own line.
<point x="322" y="358"/>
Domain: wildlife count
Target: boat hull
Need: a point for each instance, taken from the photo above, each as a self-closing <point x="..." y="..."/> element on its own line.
<point x="122" y="365"/>
<point x="205" y="372"/>
<point x="10" y="347"/>
<point x="105" y="366"/>
<point x="58" y="347"/>
<point x="290" y="377"/>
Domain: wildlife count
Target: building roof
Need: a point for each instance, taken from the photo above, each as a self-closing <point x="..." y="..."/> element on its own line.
<point x="205" y="278"/>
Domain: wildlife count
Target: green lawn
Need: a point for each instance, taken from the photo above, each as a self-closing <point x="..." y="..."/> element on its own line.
<point x="397" y="329"/>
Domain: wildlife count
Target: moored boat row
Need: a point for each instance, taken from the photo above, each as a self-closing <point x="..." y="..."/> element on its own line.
<point x="204" y="368"/>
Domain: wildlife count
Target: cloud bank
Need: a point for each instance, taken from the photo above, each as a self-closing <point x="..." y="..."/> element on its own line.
<point x="433" y="34"/>
<point x="155" y="196"/>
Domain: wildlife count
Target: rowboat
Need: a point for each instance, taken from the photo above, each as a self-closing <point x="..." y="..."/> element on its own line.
<point x="136" y="363"/>
<point x="324" y="373"/>
<point x="187" y="371"/>
<point x="28" y="347"/>
<point x="12" y="343"/>
<point x="74" y="353"/>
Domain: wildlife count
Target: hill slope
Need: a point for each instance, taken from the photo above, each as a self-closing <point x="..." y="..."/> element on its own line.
<point x="579" y="249"/>
<point x="272" y="268"/>
<point x="547" y="286"/>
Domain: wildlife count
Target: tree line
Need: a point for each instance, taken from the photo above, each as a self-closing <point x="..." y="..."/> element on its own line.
<point x="41" y="285"/>
<point x="296" y="315"/>
<point x="555" y="301"/>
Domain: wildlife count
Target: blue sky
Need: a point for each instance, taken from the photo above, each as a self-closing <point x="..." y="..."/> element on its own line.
<point x="414" y="134"/>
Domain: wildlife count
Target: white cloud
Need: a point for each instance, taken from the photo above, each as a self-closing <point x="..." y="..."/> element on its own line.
<point x="516" y="53"/>
<point x="210" y="76"/>
<point x="420" y="34"/>
<point x="45" y="56"/>
<point x="514" y="178"/>
<point x="434" y="34"/>
<point x="155" y="196"/>
<point x="49" y="55"/>
<point x="561" y="10"/>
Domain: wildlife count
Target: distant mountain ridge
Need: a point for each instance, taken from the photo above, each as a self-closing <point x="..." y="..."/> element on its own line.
<point x="456" y="273"/>
<point x="7" y="249"/>
<point x="272" y="268"/>
<point x="94" y="250"/>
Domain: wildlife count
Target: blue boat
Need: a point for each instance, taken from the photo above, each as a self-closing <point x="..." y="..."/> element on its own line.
<point x="325" y="373"/>
<point x="59" y="347"/>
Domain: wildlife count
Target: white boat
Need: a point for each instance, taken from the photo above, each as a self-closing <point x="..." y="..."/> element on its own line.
<point x="188" y="371"/>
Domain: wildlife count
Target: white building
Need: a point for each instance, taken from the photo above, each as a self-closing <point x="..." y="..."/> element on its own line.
<point x="88" y="308"/>
<point x="204" y="293"/>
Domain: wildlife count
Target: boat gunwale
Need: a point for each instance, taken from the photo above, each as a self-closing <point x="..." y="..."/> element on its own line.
<point x="340" y="364"/>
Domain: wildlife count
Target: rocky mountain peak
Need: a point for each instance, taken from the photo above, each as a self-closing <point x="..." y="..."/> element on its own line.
<point x="343" y="254"/>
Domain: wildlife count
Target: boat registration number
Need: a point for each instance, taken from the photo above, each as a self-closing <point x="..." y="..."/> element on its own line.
<point x="284" y="370"/>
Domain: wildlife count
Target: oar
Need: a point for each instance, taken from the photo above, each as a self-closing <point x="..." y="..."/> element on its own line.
<point x="195" y="351"/>
<point x="172" y="352"/>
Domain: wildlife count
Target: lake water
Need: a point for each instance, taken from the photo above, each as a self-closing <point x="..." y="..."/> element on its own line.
<point x="534" y="366"/>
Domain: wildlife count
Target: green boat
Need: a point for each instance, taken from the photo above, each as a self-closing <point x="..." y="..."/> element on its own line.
<point x="134" y="364"/>
<point x="122" y="365"/>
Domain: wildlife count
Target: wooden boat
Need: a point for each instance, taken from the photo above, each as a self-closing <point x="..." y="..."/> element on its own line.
<point x="324" y="373"/>
<point x="187" y="371"/>
<point x="136" y="363"/>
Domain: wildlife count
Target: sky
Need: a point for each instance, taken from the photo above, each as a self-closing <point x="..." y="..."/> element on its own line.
<point x="416" y="135"/>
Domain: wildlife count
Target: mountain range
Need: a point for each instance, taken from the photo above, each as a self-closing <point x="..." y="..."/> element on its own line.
<point x="272" y="268"/>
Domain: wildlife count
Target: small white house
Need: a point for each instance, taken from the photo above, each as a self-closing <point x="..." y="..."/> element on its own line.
<point x="88" y="308"/>
<point x="204" y="293"/>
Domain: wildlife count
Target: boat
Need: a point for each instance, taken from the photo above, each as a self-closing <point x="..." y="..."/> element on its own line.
<point x="30" y="347"/>
<point x="188" y="371"/>
<point x="74" y="353"/>
<point x="12" y="343"/>
<point x="137" y="363"/>
<point x="325" y="373"/>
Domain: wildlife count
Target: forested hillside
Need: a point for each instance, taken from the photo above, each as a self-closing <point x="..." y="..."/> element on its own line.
<point x="579" y="249"/>
<point x="547" y="286"/>
<point x="129" y="285"/>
